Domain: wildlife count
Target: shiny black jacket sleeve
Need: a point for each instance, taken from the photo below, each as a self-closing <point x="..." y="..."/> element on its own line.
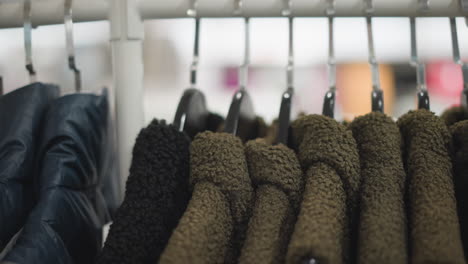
<point x="21" y="112"/>
<point x="65" y="224"/>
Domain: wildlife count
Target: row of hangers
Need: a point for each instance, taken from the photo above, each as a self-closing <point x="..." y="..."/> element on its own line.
<point x="192" y="111"/>
<point x="27" y="31"/>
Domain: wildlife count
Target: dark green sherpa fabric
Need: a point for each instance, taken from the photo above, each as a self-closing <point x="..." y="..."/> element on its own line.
<point x="382" y="219"/>
<point x="455" y="118"/>
<point x="277" y="177"/>
<point x="454" y="115"/>
<point x="327" y="219"/>
<point x="434" y="231"/>
<point x="212" y="229"/>
<point x="459" y="133"/>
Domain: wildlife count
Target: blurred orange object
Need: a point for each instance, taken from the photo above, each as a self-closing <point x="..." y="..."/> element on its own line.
<point x="355" y="86"/>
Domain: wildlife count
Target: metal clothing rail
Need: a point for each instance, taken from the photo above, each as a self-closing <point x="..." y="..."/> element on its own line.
<point x="47" y="12"/>
<point x="300" y="8"/>
<point x="126" y="29"/>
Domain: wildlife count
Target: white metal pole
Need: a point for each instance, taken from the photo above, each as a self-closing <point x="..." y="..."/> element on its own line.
<point x="127" y="35"/>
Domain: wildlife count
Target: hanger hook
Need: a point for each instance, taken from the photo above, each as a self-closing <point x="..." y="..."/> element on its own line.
<point x="287" y="8"/>
<point x="368" y="7"/>
<point x="244" y="67"/>
<point x="377" y="93"/>
<point x="28" y="40"/>
<point x="68" y="21"/>
<point x="464" y="5"/>
<point x="423" y="95"/>
<point x="192" y="12"/>
<point x="424" y="5"/>
<point x="330" y="11"/>
<point x="329" y="100"/>
<point x="370" y="41"/>
<point x="238" y="6"/>
<point x="455" y="47"/>
<point x="464" y="8"/>
<point x="415" y="62"/>
<point x="456" y="55"/>
<point x="290" y="67"/>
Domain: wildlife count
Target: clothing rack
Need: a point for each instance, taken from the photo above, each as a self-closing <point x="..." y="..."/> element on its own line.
<point x="127" y="33"/>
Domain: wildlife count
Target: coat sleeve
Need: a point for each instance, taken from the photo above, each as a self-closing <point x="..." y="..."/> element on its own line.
<point x="21" y="112"/>
<point x="65" y="224"/>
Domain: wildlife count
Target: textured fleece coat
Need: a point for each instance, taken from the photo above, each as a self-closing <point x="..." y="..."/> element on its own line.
<point x="277" y="177"/>
<point x="434" y="231"/>
<point x="459" y="133"/>
<point x="455" y="118"/>
<point x="156" y="196"/>
<point x="454" y="115"/>
<point x="327" y="219"/>
<point x="212" y="229"/>
<point x="382" y="219"/>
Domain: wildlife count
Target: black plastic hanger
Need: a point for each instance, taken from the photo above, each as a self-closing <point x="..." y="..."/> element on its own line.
<point x="457" y="59"/>
<point x="377" y="101"/>
<point x="329" y="99"/>
<point x="285" y="117"/>
<point x="287" y="98"/>
<point x="191" y="114"/>
<point x="329" y="104"/>
<point x="241" y="119"/>
<point x="377" y="93"/>
<point x="423" y="100"/>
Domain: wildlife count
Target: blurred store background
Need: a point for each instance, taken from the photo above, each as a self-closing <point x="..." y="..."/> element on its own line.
<point x="168" y="52"/>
